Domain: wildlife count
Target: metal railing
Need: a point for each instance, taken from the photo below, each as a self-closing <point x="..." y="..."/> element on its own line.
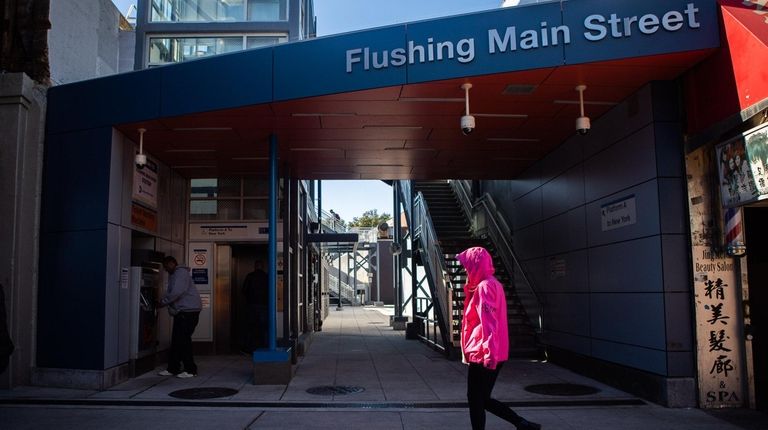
<point x="347" y="291"/>
<point x="487" y="220"/>
<point x="433" y="262"/>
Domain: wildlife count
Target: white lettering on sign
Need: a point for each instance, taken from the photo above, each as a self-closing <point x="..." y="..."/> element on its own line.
<point x="512" y="39"/>
<point x="462" y="51"/>
<point x="598" y="26"/>
<point x="619" y="213"/>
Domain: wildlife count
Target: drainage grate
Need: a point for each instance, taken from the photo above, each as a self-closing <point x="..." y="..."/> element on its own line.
<point x="335" y="390"/>
<point x="203" y="393"/>
<point x="562" y="389"/>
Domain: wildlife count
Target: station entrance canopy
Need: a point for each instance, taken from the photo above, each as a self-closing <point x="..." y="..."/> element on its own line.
<point x="385" y="103"/>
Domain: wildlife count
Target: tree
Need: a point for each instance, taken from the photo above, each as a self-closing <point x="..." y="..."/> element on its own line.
<point x="369" y="218"/>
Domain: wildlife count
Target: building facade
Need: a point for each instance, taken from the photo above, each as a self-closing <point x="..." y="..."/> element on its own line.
<point x="625" y="227"/>
<point x="172" y="31"/>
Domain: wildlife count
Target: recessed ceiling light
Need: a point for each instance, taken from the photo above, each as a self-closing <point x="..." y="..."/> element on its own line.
<point x="432" y="99"/>
<point x="501" y="115"/>
<point x="512" y="139"/>
<point x="189" y="150"/>
<point x="411" y="149"/>
<point x="575" y="102"/>
<point x="321" y="114"/>
<point x="203" y="129"/>
<point x="518" y="89"/>
<point x="395" y="127"/>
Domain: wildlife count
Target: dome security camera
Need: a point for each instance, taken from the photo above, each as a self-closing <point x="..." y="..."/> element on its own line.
<point x="467" y="121"/>
<point x="140" y="160"/>
<point x="467" y="124"/>
<point x="583" y="125"/>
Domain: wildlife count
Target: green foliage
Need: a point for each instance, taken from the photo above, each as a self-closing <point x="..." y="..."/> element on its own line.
<point x="369" y="218"/>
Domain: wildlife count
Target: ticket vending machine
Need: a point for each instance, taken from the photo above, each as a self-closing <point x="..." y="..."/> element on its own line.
<point x="145" y="285"/>
<point x="145" y="289"/>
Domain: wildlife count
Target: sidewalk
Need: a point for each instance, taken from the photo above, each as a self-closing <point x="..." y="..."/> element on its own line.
<point x="403" y="385"/>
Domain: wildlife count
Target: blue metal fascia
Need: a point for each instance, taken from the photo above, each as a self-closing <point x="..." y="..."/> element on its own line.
<point x="319" y="66"/>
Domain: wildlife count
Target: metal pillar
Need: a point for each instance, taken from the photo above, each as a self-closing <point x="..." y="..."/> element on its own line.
<point x="396" y="262"/>
<point x="338" y="306"/>
<point x="414" y="273"/>
<point x="272" y="242"/>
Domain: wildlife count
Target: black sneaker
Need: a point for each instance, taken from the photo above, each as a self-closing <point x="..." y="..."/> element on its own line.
<point x="527" y="425"/>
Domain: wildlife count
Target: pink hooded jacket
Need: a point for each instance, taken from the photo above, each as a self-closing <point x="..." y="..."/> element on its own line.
<point x="484" y="333"/>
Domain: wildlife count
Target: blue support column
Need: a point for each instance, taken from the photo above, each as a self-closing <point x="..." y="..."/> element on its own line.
<point x="273" y="179"/>
<point x="272" y="355"/>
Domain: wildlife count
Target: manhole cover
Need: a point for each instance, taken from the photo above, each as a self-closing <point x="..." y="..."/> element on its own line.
<point x="562" y="389"/>
<point x="338" y="390"/>
<point x="203" y="393"/>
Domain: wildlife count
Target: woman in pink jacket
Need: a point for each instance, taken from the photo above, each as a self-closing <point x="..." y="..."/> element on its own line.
<point x="484" y="339"/>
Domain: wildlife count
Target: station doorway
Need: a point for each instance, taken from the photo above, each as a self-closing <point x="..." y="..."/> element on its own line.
<point x="757" y="262"/>
<point x="231" y="321"/>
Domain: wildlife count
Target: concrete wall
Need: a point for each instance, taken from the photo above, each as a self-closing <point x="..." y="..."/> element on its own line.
<point x="623" y="295"/>
<point x="22" y="109"/>
<point x="85" y="41"/>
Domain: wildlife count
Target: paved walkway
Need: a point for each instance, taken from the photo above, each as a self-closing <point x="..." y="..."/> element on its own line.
<point x="405" y="385"/>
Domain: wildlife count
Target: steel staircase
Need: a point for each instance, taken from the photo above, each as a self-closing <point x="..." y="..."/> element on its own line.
<point x="454" y="234"/>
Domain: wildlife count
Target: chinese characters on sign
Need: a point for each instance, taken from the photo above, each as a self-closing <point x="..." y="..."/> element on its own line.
<point x="719" y="351"/>
<point x="716" y="299"/>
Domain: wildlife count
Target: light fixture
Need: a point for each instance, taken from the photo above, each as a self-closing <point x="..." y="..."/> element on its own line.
<point x="582" y="122"/>
<point x="467" y="121"/>
<point x="141" y="158"/>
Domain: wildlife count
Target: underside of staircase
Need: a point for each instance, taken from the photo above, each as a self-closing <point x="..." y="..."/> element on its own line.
<point x="454" y="234"/>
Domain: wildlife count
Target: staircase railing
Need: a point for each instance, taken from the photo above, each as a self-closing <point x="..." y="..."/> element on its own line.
<point x="493" y="224"/>
<point x="433" y="261"/>
<point x="347" y="291"/>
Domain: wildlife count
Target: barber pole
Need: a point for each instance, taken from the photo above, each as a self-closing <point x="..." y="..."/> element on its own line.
<point x="734" y="233"/>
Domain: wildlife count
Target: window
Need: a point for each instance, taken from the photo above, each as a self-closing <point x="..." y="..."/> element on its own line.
<point x="218" y="10"/>
<point x="267" y="10"/>
<point x="176" y="49"/>
<point x="229" y="199"/>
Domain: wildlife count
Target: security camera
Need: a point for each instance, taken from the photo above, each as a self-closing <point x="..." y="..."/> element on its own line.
<point x="467" y="124"/>
<point x="140" y="160"/>
<point x="583" y="125"/>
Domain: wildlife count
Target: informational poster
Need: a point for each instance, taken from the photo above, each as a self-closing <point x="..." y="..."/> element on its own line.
<point x="720" y="350"/>
<point x="145" y="184"/>
<point x="742" y="163"/>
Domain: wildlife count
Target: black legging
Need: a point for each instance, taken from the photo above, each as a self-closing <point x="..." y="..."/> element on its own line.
<point x="479" y="387"/>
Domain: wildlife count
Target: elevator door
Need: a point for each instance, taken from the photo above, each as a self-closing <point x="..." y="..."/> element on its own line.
<point x="243" y="259"/>
<point x="757" y="262"/>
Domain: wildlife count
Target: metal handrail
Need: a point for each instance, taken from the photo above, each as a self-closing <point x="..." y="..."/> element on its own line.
<point x="499" y="231"/>
<point x="433" y="261"/>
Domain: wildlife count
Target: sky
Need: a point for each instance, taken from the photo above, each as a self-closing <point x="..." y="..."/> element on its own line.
<point x="351" y="198"/>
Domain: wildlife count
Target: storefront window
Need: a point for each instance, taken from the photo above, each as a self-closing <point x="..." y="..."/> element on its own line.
<point x="218" y="10"/>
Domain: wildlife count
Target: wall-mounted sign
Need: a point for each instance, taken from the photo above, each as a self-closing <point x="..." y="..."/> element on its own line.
<point x="720" y="349"/>
<point x="618" y="213"/>
<point x="223" y="232"/>
<point x="526" y="36"/>
<point x="742" y="163"/>
<point x="143" y="218"/>
<point x="145" y="183"/>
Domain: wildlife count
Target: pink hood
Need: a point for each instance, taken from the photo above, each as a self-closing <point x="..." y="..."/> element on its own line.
<point x="484" y="332"/>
